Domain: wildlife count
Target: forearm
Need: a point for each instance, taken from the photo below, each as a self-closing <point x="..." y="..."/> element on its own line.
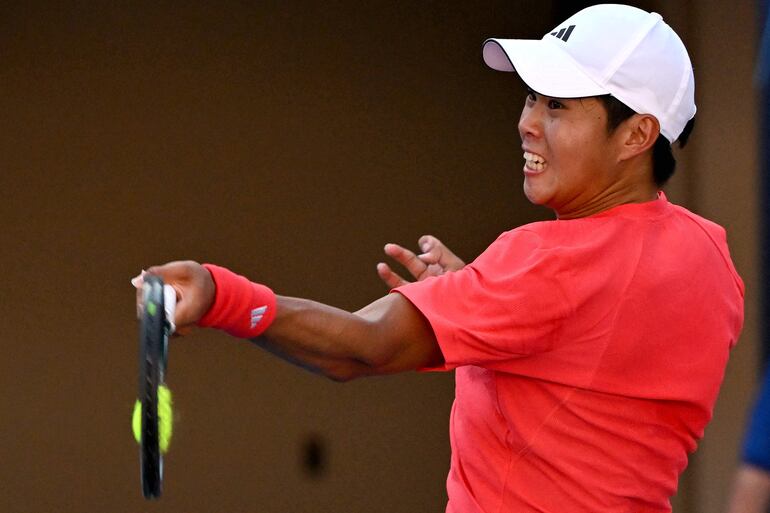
<point x="384" y="337"/>
<point x="389" y="335"/>
<point x="320" y="338"/>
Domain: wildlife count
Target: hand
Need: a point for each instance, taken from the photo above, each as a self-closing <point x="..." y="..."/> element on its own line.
<point x="194" y="287"/>
<point x="435" y="260"/>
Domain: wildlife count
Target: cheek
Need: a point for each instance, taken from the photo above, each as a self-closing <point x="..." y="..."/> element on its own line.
<point x="578" y="160"/>
<point x="577" y="146"/>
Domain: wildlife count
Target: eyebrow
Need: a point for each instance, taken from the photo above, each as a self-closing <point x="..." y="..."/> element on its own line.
<point x="532" y="91"/>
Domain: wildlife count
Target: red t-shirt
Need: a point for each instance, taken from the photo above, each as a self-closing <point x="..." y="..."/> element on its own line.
<point x="588" y="356"/>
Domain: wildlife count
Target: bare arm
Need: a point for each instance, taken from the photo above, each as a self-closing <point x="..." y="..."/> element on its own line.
<point x="390" y="335"/>
<point x="751" y="492"/>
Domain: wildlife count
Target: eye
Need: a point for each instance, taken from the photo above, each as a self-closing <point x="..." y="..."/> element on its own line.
<point x="555" y="104"/>
<point x="531" y="96"/>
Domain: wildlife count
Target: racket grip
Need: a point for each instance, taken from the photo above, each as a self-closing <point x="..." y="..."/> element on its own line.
<point x="169" y="302"/>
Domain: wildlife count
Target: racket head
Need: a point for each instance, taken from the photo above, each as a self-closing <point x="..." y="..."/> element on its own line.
<point x="153" y="354"/>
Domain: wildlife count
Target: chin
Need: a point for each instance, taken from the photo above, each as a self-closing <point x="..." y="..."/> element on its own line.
<point x="533" y="195"/>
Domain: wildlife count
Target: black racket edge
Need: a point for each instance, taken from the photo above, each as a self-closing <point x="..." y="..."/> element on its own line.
<point x="151" y="372"/>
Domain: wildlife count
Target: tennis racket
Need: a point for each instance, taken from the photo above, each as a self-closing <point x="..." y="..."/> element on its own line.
<point x="157" y="325"/>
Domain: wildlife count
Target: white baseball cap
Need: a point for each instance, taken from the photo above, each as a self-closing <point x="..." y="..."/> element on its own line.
<point x="607" y="49"/>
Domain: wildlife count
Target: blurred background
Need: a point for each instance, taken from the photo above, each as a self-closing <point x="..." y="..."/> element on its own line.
<point x="289" y="141"/>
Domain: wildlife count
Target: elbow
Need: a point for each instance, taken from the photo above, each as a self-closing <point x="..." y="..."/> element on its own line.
<point x="340" y="375"/>
<point x="342" y="372"/>
<point x="361" y="359"/>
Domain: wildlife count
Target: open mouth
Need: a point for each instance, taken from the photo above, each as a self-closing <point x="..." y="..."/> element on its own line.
<point x="533" y="161"/>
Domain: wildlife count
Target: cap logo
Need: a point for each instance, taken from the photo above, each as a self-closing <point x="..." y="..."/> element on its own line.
<point x="564" y="33"/>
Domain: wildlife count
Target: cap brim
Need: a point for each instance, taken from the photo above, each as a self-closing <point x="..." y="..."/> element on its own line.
<point x="542" y="65"/>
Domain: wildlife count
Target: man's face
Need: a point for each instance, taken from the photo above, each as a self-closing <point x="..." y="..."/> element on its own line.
<point x="570" y="158"/>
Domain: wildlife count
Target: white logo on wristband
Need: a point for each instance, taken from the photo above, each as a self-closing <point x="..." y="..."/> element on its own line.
<point x="257" y="314"/>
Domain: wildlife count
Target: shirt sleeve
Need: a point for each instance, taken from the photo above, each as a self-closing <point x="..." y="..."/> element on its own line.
<point x="507" y="304"/>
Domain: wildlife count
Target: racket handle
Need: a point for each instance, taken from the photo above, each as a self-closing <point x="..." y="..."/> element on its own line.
<point x="169" y="301"/>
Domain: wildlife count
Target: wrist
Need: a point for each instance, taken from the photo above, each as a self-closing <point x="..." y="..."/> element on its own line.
<point x="242" y="308"/>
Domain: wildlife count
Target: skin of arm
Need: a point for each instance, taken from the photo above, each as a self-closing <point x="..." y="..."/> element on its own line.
<point x="390" y="335"/>
<point x="386" y="337"/>
<point x="751" y="491"/>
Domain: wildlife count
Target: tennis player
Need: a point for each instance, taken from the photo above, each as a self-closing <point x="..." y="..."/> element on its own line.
<point x="588" y="350"/>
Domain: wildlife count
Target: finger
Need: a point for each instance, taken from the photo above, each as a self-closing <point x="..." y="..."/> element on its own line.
<point x="403" y="256"/>
<point x="189" y="309"/>
<point x="390" y="278"/>
<point x="138" y="280"/>
<point x="189" y="306"/>
<point x="428" y="242"/>
<point x="435" y="252"/>
<point x="139" y="303"/>
<point x="177" y="271"/>
<point x="182" y="331"/>
<point x="432" y="249"/>
<point x="394" y="250"/>
<point x="186" y="316"/>
<point x="431" y="257"/>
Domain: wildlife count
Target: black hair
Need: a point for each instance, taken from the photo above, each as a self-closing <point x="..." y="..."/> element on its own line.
<point x="663" y="162"/>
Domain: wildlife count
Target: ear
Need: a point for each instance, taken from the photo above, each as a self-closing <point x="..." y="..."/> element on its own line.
<point x="638" y="134"/>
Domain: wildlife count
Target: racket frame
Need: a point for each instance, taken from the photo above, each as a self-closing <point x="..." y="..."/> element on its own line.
<point x="153" y="357"/>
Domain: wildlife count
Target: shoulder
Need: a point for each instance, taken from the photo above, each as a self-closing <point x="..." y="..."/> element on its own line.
<point x="535" y="248"/>
<point x="713" y="238"/>
<point x="540" y="234"/>
<point x="558" y="237"/>
<point x="512" y="244"/>
<point x="714" y="230"/>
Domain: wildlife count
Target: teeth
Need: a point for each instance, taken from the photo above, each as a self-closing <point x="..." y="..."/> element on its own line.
<point x="534" y="161"/>
<point x="533" y="157"/>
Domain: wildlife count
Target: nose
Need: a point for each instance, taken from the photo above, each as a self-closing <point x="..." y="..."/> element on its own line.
<point x="530" y="122"/>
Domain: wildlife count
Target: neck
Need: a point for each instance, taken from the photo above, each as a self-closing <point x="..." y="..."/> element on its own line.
<point x="608" y="199"/>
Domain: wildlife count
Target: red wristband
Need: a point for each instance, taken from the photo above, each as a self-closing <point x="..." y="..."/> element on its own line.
<point x="241" y="308"/>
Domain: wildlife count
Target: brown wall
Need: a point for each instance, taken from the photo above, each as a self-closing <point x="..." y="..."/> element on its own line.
<point x="289" y="142"/>
<point x="719" y="180"/>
